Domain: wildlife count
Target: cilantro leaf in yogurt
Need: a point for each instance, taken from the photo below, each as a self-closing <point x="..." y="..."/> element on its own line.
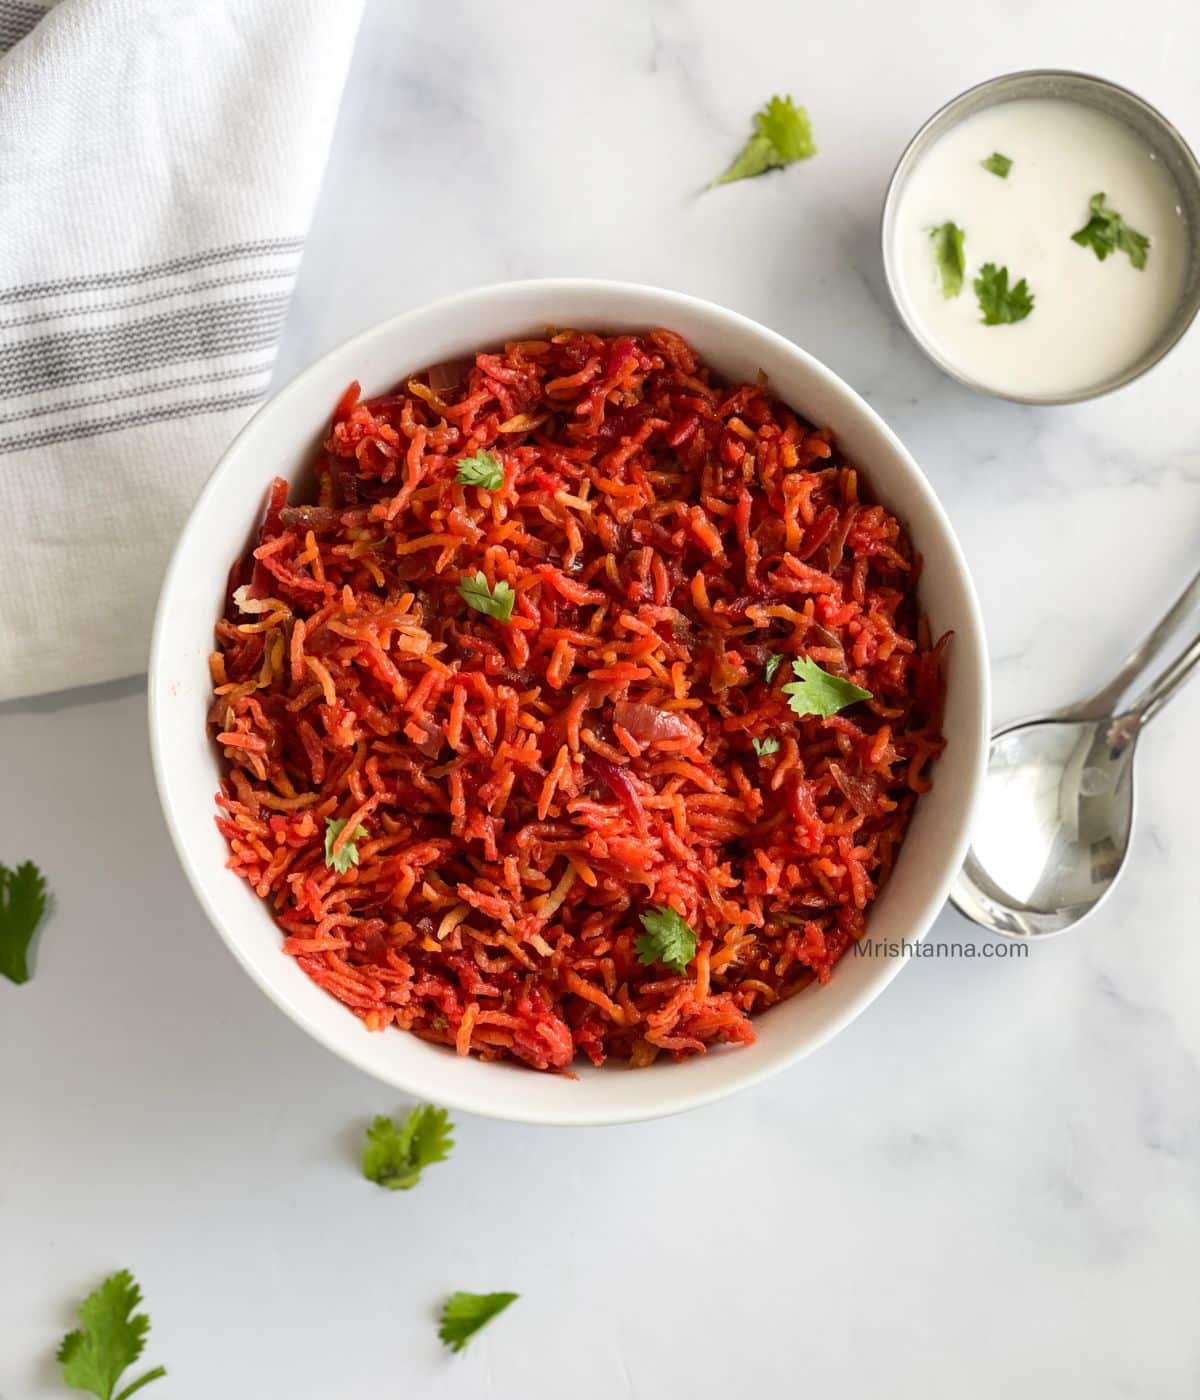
<point x="1001" y="304"/>
<point x="1107" y="232"/>
<point x="949" y="256"/>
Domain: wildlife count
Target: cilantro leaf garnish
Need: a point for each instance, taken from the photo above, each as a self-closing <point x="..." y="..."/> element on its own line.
<point x="782" y="135"/>
<point x="949" y="256"/>
<point x="997" y="164"/>
<point x="111" y="1339"/>
<point x="22" y="904"/>
<point x="465" y="1313"/>
<point x="816" y="692"/>
<point x="480" y="469"/>
<point x="762" y="747"/>
<point x="669" y="939"/>
<point x="396" y="1156"/>
<point x="1107" y="232"/>
<point x="341" y="860"/>
<point x="772" y="666"/>
<point x="1000" y="304"/>
<point x="497" y="602"/>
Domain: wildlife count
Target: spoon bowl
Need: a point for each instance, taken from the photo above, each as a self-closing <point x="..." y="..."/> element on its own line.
<point x="1055" y="820"/>
<point x="1057" y="806"/>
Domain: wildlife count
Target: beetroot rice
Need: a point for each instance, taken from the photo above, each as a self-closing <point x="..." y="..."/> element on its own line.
<point x="529" y="789"/>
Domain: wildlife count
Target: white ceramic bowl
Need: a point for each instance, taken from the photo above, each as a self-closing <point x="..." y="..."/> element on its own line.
<point x="280" y="440"/>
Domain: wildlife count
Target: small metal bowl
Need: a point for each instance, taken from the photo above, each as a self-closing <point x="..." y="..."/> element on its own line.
<point x="1167" y="144"/>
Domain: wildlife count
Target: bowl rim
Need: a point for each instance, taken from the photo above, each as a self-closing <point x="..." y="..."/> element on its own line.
<point x="354" y="1049"/>
<point x="936" y="124"/>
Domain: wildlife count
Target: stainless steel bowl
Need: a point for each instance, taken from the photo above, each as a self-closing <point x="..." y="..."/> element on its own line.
<point x="1167" y="144"/>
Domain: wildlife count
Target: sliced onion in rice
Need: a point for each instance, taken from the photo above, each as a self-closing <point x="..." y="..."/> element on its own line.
<point x="649" y="722"/>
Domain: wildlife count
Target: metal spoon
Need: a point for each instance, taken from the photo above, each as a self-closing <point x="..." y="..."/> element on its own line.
<point x="1057" y="805"/>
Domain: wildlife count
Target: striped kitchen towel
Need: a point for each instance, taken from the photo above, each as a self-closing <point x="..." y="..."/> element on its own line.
<point x="159" y="163"/>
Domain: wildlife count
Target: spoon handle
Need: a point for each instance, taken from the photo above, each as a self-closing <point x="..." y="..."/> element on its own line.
<point x="1156" y="695"/>
<point x="1106" y="701"/>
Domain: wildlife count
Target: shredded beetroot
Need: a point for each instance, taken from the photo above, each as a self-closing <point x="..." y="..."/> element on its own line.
<point x="528" y="789"/>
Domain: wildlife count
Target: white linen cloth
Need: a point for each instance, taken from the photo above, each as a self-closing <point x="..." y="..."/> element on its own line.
<point x="159" y="163"/>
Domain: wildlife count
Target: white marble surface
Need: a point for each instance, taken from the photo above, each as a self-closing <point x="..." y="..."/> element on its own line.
<point x="989" y="1185"/>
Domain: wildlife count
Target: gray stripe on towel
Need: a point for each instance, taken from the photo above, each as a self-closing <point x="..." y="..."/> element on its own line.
<point x="62" y="313"/>
<point x="263" y="247"/>
<point x="134" y="347"/>
<point x="91" y="428"/>
<point x="17" y="20"/>
<point x="160" y="386"/>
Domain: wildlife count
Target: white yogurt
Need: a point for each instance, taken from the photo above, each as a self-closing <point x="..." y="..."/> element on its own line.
<point x="1090" y="319"/>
